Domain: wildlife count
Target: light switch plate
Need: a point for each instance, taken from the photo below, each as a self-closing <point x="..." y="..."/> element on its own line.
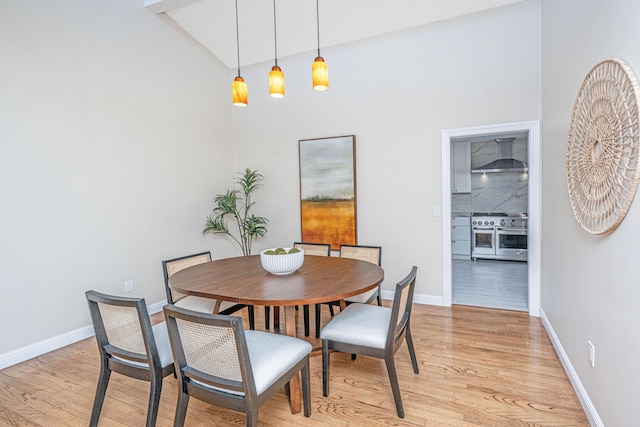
<point x="128" y="286"/>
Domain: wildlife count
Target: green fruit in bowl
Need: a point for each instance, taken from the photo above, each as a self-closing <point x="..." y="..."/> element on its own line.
<point x="294" y="250"/>
<point x="280" y="251"/>
<point x="270" y="252"/>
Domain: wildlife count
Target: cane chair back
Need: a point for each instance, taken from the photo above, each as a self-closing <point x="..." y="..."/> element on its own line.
<point x="129" y="345"/>
<point x="317" y="249"/>
<point x="224" y="365"/>
<point x="373" y="331"/>
<point x="172" y="266"/>
<point x="205" y="305"/>
<point x="372" y="254"/>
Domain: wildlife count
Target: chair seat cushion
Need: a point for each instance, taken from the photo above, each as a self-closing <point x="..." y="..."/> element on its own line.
<point x="359" y="324"/>
<point x="202" y="305"/>
<point x="363" y="298"/>
<point x="272" y="355"/>
<point x="161" y="336"/>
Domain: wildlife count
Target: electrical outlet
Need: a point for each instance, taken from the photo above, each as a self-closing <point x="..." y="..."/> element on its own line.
<point x="128" y="286"/>
<point x="436" y="211"/>
<point x="591" y="353"/>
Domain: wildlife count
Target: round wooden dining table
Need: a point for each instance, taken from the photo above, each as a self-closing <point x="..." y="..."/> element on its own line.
<point x="243" y="280"/>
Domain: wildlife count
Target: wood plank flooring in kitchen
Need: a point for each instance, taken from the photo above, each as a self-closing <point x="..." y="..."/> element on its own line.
<point x="478" y="367"/>
<point x="489" y="283"/>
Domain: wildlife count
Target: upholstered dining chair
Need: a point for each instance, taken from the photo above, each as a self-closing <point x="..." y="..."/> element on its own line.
<point x="129" y="345"/>
<point x="372" y="254"/>
<point x="205" y="305"/>
<point x="374" y="331"/>
<point x="316" y="249"/>
<point x="220" y="363"/>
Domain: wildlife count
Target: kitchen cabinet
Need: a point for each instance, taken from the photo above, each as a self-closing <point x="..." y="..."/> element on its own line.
<point x="461" y="237"/>
<point x="461" y="167"/>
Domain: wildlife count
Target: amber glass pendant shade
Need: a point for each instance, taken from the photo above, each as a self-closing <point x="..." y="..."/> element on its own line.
<point x="276" y="82"/>
<point x="239" y="92"/>
<point x="320" y="74"/>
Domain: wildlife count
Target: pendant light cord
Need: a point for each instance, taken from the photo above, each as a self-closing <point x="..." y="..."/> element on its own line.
<point x="317" y="24"/>
<point x="238" y="38"/>
<point x="275" y="36"/>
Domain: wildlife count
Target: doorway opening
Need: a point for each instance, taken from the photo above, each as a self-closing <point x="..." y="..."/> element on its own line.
<point x="451" y="185"/>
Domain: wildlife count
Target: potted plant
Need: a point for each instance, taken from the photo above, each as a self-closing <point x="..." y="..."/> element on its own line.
<point x="236" y="204"/>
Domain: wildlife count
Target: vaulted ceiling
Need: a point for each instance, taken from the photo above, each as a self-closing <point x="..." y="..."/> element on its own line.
<point x="213" y="22"/>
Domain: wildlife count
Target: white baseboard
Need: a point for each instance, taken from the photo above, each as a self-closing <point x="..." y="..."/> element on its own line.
<point x="417" y="298"/>
<point x="34" y="350"/>
<point x="42" y="347"/>
<point x="54" y="343"/>
<point x="585" y="401"/>
<point x="156" y="307"/>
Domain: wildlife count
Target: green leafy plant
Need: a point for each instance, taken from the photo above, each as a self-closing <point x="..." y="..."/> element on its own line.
<point x="236" y="204"/>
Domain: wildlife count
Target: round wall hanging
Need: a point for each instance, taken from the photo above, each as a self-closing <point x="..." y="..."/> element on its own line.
<point x="603" y="165"/>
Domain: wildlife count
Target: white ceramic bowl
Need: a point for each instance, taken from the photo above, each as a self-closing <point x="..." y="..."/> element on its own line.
<point x="282" y="264"/>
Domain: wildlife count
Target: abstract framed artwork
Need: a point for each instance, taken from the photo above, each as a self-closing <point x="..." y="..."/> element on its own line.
<point x="328" y="190"/>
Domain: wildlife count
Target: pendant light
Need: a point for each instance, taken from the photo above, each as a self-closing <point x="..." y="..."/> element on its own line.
<point x="276" y="76"/>
<point x="239" y="87"/>
<point x="319" y="68"/>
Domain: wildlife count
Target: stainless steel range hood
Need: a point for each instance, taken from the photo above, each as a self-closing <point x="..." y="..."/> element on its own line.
<point x="505" y="161"/>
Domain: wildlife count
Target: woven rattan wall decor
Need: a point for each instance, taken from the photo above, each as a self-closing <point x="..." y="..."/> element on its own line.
<point x="603" y="165"/>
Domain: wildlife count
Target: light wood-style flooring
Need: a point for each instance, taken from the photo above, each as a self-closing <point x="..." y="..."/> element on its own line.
<point x="478" y="367"/>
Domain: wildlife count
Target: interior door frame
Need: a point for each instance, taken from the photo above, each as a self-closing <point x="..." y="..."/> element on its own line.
<point x="533" y="240"/>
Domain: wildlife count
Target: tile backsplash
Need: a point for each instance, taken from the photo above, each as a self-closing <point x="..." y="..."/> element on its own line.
<point x="494" y="192"/>
<point x="499" y="192"/>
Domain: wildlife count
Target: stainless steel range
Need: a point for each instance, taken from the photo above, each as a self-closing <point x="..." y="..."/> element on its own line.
<point x="497" y="235"/>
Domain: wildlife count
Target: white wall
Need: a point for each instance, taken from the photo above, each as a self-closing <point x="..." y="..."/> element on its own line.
<point x="395" y="93"/>
<point x="590" y="285"/>
<point x="115" y="134"/>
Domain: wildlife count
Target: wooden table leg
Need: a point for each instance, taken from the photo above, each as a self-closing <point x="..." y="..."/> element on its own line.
<point x="295" y="392"/>
<point x="276" y="317"/>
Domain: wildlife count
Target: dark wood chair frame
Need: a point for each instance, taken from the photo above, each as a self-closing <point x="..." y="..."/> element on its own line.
<point x="399" y="331"/>
<point x="154" y="373"/>
<point x="332" y="304"/>
<point x="250" y="402"/>
<point x="229" y="310"/>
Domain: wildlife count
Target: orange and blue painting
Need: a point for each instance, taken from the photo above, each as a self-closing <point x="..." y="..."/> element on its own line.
<point x="328" y="190"/>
